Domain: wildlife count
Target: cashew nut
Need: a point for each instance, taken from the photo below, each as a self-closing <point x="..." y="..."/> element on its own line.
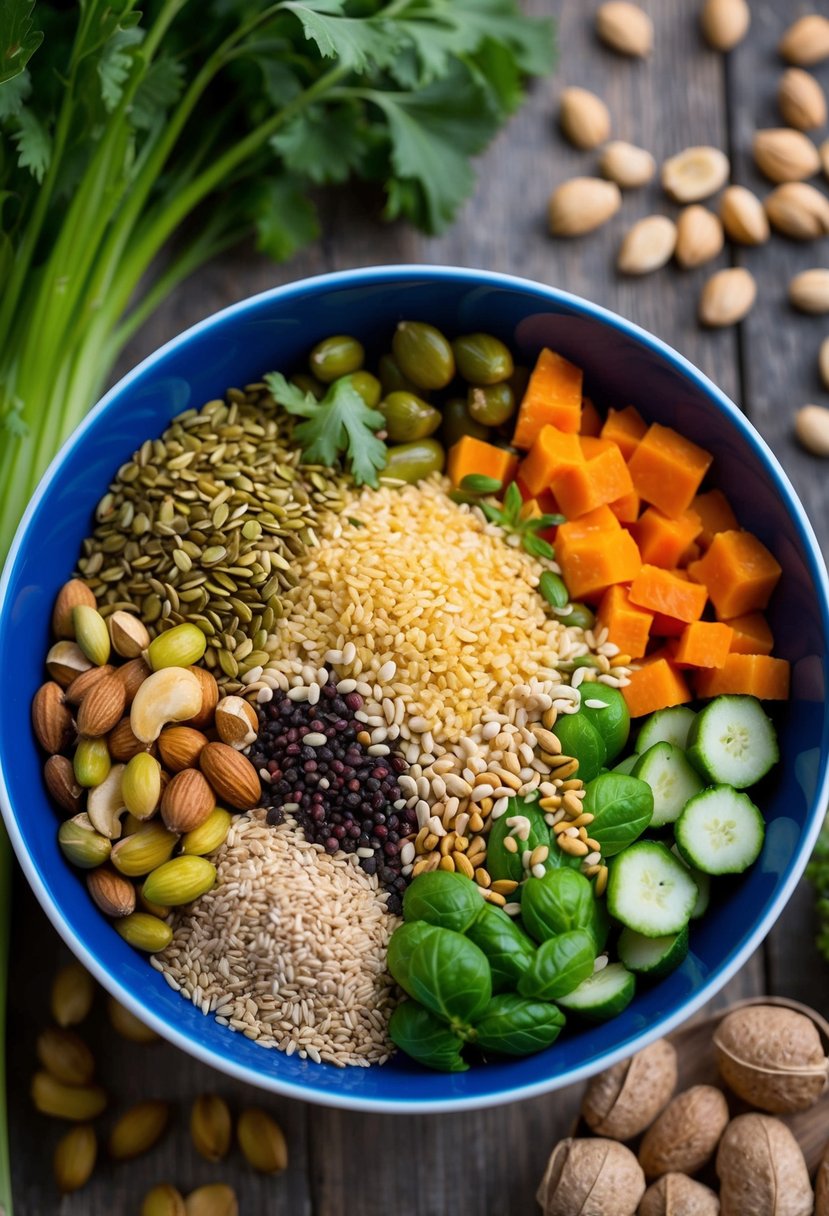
<point x="105" y="806"/>
<point x="172" y="694"/>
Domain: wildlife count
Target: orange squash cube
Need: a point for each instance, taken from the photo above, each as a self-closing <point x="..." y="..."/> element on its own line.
<point x="591" y="422"/>
<point x="626" y="509"/>
<point x="667" y="592"/>
<point x="667" y="469"/>
<point x="592" y="445"/>
<point x="655" y="685"/>
<point x="754" y="675"/>
<point x="714" y="510"/>
<point x="592" y="563"/>
<point x="625" y="427"/>
<point x="600" y="480"/>
<point x="552" y="397"/>
<point x="739" y="573"/>
<point x="470" y="455"/>
<point x="552" y="450"/>
<point x="750" y="634"/>
<point x="661" y="540"/>
<point x="628" y="627"/>
<point x="704" y="644"/>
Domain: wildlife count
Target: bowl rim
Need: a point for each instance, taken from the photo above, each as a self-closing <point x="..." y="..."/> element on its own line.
<point x="380" y="275"/>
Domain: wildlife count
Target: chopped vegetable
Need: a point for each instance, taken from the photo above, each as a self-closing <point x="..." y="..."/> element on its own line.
<point x="655" y="685"/>
<point x="662" y="541"/>
<point x="601" y="479"/>
<point x="720" y="831"/>
<point x="551" y="451"/>
<point x="625" y="427"/>
<point x="589" y="564"/>
<point x="591" y="419"/>
<point x="553" y="397"/>
<point x="716" y="514"/>
<point x="704" y="644"/>
<point x="650" y="890"/>
<point x="665" y="592"/>
<point x="628" y="626"/>
<point x="627" y="508"/>
<point x="738" y="573"/>
<point x="733" y="741"/>
<point x="750" y="634"/>
<point x="470" y="455"/>
<point x="755" y="675"/>
<point x="667" y="469"/>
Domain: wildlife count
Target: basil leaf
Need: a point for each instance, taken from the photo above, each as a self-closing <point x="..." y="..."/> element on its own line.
<point x="401" y="945"/>
<point x="509" y="950"/>
<point x="559" y="966"/>
<point x="621" y="806"/>
<point x="515" y="1026"/>
<point x="560" y="901"/>
<point x="450" y="976"/>
<point x="553" y="588"/>
<point x="580" y="739"/>
<point x="445" y="899"/>
<point x="419" y="1033"/>
<point x="500" y="862"/>
<point x="536" y="546"/>
<point x="513" y="502"/>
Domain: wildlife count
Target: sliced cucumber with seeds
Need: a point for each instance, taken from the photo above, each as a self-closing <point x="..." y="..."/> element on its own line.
<point x="733" y="742"/>
<point x="720" y="831"/>
<point x="703" y="882"/>
<point x="653" y="956"/>
<point x="626" y="766"/>
<point x="650" y="891"/>
<point x="666" y="726"/>
<point x="673" y="780"/>
<point x="602" y="995"/>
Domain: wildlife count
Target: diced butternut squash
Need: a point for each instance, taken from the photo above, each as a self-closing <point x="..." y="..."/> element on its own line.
<point x="750" y="634"/>
<point x="655" y="685"/>
<point x="667" y="469"/>
<point x="626" y="509"/>
<point x="592" y="445"/>
<point x="665" y="626"/>
<point x="600" y="520"/>
<point x="547" y="504"/>
<point x="628" y="627"/>
<point x="704" y="644"/>
<point x="668" y="592"/>
<point x="591" y="422"/>
<point x="625" y="427"/>
<point x="714" y="510"/>
<point x="692" y="554"/>
<point x="662" y="540"/>
<point x="755" y="675"/>
<point x="600" y="480"/>
<point x="552" y="397"/>
<point x="552" y="451"/>
<point x="596" y="561"/>
<point x="470" y="455"/>
<point x="738" y="572"/>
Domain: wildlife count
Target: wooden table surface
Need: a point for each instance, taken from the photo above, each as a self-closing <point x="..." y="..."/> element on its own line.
<point x="483" y="1163"/>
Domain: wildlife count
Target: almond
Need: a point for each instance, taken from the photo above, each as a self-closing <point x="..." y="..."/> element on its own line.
<point x="811" y="426"/>
<point x="187" y="801"/>
<point x="102" y="707"/>
<point x="114" y="894"/>
<point x="231" y="775"/>
<point x="236" y="722"/>
<point x="798" y="211"/>
<point x="133" y="674"/>
<point x="625" y="28"/>
<point x="785" y="155"/>
<point x="51" y="718"/>
<point x="584" y="118"/>
<point x="807" y="41"/>
<point x="647" y="246"/>
<point x="727" y="297"/>
<point x="581" y="205"/>
<point x="70" y="595"/>
<point x="180" y="747"/>
<point x="210" y="697"/>
<point x="129" y="634"/>
<point x="699" y="236"/>
<point x="724" y="23"/>
<point x="59" y="776"/>
<point x="123" y="744"/>
<point x="809" y="291"/>
<point x="743" y="216"/>
<point x="626" y="165"/>
<point x="87" y="680"/>
<point x="801" y="100"/>
<point x="695" y="173"/>
<point x="65" y="661"/>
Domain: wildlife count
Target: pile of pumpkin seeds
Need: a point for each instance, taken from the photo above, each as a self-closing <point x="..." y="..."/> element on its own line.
<point x="207" y="524"/>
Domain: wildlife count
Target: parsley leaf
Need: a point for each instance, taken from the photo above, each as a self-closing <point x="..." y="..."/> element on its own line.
<point x="34" y="147"/>
<point x="18" y="41"/>
<point x="356" y="43"/>
<point x="159" y="89"/>
<point x="285" y="218"/>
<point x="13" y="93"/>
<point x="115" y="63"/>
<point x="325" y="145"/>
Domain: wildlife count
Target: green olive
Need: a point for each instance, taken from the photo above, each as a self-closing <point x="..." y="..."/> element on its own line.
<point x="409" y="417"/>
<point x="482" y="359"/>
<point x="457" y="422"/>
<point x="423" y="354"/>
<point x="309" y="384"/>
<point x="580" y="616"/>
<point x="492" y="404"/>
<point x="368" y="387"/>
<point x="414" y="461"/>
<point x="391" y="377"/>
<point x="336" y="356"/>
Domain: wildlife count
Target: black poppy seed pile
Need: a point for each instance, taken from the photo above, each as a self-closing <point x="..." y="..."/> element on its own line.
<point x="342" y="797"/>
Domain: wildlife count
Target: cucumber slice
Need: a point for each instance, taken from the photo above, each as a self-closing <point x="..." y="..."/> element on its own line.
<point x="649" y="890"/>
<point x="720" y="831"/>
<point x="602" y="995"/>
<point x="667" y="771"/>
<point x="703" y="882"/>
<point x="666" y="726"/>
<point x="607" y="710"/>
<point x="653" y="956"/>
<point x="733" y="742"/>
<point x="626" y="766"/>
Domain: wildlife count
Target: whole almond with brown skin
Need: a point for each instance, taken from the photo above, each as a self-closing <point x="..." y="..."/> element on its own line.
<point x="180" y="747"/>
<point x="211" y="1127"/>
<point x="801" y="100"/>
<point x="724" y="23"/>
<point x="231" y="775"/>
<point x="133" y="674"/>
<point x="65" y="1055"/>
<point x="683" y="1138"/>
<point x="583" y="117"/>
<point x="102" y="707"/>
<point x="761" y="1170"/>
<point x="809" y="291"/>
<point x="807" y="41"/>
<point x="647" y="246"/>
<point x="236" y="722"/>
<point x="625" y="28"/>
<point x="678" y="1195"/>
<point x="625" y="1099"/>
<point x="785" y="155"/>
<point x="123" y="744"/>
<point x="727" y="297"/>
<point x="128" y="633"/>
<point x="581" y="205"/>
<point x="59" y="776"/>
<point x="163" y="1200"/>
<point x="594" y="1175"/>
<point x="114" y="894"/>
<point x="65" y="661"/>
<point x="70" y="595"/>
<point x="798" y="210"/>
<point x="138" y="1129"/>
<point x="695" y="173"/>
<point x="74" y="1158"/>
<point x="743" y="216"/>
<point x="187" y="801"/>
<point x="699" y="236"/>
<point x="626" y="165"/>
<point x="86" y="681"/>
<point x="770" y="1057"/>
<point x="214" y="1199"/>
<point x="51" y="718"/>
<point x="210" y="698"/>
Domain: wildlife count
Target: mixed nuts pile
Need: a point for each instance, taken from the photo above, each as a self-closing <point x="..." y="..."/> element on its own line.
<point x="785" y="155"/>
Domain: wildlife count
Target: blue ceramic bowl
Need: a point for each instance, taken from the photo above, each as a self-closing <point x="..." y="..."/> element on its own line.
<point x="622" y="365"/>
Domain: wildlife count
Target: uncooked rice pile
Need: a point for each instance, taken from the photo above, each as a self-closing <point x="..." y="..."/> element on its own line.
<point x="289" y="948"/>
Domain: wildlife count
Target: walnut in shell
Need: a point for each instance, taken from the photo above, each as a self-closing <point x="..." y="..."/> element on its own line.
<point x="822" y="1186"/>
<point x="625" y="1099"/>
<point x="761" y="1170"/>
<point x="592" y="1177"/>
<point x="678" y="1195"/>
<point x="771" y="1057"/>
<point x="685" y="1135"/>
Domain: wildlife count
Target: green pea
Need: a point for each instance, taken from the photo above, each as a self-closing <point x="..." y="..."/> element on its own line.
<point x="553" y="589"/>
<point x="368" y="387"/>
<point x="482" y="358"/>
<point x="492" y="404"/>
<point x="457" y="422"/>
<point x="391" y="377"/>
<point x="336" y="356"/>
<point x="423" y="354"/>
<point x="409" y="417"/>
<point x="414" y="461"/>
<point x="581" y="617"/>
<point x="309" y="384"/>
